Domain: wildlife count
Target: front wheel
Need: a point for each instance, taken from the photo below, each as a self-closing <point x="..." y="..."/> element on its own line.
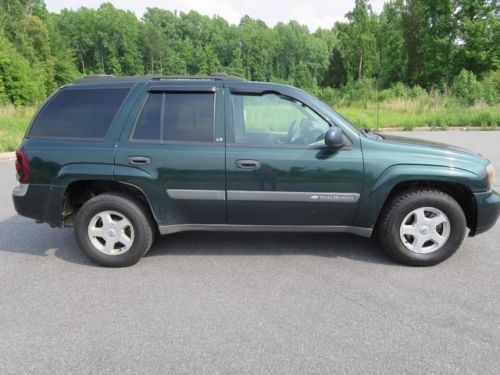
<point x="113" y="230"/>
<point x="421" y="227"/>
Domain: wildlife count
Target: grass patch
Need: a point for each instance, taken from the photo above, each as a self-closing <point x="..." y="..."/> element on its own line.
<point x="13" y="123"/>
<point x="409" y="114"/>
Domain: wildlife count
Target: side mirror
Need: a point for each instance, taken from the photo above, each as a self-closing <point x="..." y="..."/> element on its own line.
<point x="334" y="138"/>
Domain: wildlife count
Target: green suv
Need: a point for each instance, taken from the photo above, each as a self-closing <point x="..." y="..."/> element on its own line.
<point x="122" y="159"/>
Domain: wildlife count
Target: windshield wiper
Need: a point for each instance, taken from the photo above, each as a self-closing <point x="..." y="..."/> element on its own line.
<point x="371" y="134"/>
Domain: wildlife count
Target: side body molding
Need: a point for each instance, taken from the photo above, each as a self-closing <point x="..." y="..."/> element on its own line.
<point x="263" y="196"/>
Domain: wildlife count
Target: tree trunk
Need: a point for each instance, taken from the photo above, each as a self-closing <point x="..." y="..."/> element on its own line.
<point x="360" y="68"/>
<point x="102" y="60"/>
<point x="83" y="64"/>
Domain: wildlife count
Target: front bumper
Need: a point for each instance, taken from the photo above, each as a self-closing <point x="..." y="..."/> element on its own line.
<point x="488" y="209"/>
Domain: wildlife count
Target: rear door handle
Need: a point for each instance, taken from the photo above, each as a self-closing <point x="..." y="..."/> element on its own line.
<point x="247" y="164"/>
<point x="139" y="160"/>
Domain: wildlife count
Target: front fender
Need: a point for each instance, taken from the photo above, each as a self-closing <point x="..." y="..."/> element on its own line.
<point x="377" y="188"/>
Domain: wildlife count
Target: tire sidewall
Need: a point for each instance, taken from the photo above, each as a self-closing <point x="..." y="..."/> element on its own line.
<point x="457" y="228"/>
<point x="89" y="210"/>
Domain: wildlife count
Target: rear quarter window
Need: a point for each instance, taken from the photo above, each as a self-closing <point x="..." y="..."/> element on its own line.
<point x="82" y="113"/>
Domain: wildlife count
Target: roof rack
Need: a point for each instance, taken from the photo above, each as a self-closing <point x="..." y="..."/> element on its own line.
<point x="213" y="76"/>
<point x="112" y="78"/>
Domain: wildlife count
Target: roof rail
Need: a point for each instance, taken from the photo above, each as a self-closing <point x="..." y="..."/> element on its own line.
<point x="91" y="76"/>
<point x="112" y="78"/>
<point x="213" y="76"/>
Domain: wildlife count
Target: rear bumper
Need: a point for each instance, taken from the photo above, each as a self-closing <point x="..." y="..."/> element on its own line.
<point x="39" y="202"/>
<point x="488" y="209"/>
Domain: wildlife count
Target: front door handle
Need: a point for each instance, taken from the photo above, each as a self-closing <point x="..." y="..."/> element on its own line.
<point x="247" y="164"/>
<point x="139" y="160"/>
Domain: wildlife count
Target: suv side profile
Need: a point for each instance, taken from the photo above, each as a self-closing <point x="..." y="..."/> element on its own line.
<point x="121" y="159"/>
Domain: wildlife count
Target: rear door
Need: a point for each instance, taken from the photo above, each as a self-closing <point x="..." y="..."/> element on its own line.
<point x="173" y="150"/>
<point x="279" y="171"/>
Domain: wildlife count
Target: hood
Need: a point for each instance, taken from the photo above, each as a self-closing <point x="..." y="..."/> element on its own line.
<point x="381" y="154"/>
<point x="421" y="142"/>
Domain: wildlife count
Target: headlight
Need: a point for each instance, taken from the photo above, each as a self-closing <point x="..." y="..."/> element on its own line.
<point x="490" y="172"/>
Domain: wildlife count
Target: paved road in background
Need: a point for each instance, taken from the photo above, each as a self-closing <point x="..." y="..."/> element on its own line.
<point x="242" y="303"/>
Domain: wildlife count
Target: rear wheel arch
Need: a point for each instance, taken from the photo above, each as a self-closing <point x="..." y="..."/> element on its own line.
<point x="77" y="193"/>
<point x="113" y="230"/>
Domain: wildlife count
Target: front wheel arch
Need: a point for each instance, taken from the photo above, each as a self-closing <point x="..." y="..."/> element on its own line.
<point x="425" y="232"/>
<point x="461" y="193"/>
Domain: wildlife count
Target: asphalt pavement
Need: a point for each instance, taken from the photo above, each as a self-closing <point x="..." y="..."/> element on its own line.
<point x="240" y="303"/>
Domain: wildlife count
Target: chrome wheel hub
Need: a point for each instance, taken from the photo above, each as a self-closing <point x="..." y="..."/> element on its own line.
<point x="425" y="230"/>
<point x="111" y="233"/>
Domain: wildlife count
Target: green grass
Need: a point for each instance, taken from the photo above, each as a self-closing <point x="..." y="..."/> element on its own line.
<point x="269" y="117"/>
<point x="13" y="122"/>
<point x="409" y="114"/>
<point x="439" y="113"/>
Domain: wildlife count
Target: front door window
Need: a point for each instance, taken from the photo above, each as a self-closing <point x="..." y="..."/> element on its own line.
<point x="272" y="119"/>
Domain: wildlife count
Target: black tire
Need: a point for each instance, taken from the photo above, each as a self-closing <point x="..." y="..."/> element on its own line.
<point x="132" y="210"/>
<point x="388" y="228"/>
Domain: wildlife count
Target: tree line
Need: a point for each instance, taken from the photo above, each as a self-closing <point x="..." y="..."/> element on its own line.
<point x="418" y="43"/>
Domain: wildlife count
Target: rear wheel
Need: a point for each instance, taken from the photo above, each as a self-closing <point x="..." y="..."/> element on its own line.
<point x="113" y="230"/>
<point x="421" y="227"/>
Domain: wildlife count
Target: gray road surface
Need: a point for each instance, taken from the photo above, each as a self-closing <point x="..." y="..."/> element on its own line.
<point x="242" y="303"/>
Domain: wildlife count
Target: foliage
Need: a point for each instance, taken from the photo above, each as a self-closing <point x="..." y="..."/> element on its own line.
<point x="20" y="83"/>
<point x="467" y="88"/>
<point x="401" y="91"/>
<point x="358" y="41"/>
<point x="412" y="47"/>
<point x="34" y="59"/>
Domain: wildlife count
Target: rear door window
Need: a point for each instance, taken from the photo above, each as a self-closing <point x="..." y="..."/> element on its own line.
<point x="176" y="117"/>
<point x="82" y="113"/>
<point x="189" y="117"/>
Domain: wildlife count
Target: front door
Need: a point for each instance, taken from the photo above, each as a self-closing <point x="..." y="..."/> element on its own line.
<point x="279" y="171"/>
<point x="174" y="152"/>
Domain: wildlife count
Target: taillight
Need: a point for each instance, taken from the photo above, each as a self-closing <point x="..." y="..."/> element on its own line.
<point x="22" y="166"/>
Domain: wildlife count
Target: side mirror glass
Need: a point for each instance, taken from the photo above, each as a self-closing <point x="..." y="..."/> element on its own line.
<point x="334" y="138"/>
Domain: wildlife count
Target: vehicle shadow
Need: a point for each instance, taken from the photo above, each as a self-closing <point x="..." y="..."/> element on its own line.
<point x="328" y="245"/>
<point x="23" y="236"/>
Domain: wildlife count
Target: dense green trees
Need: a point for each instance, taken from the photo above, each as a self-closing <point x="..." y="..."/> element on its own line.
<point x="34" y="59"/>
<point x="417" y="42"/>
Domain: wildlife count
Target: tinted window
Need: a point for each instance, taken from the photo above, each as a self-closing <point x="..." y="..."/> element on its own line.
<point x="79" y="113"/>
<point x="189" y="117"/>
<point x="276" y="120"/>
<point x="149" y="122"/>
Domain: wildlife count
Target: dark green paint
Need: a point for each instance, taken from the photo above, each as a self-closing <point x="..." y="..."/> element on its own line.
<point x="369" y="166"/>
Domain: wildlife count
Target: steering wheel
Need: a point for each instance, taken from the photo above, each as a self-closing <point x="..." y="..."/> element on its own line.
<point x="287" y="139"/>
<point x="301" y="132"/>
